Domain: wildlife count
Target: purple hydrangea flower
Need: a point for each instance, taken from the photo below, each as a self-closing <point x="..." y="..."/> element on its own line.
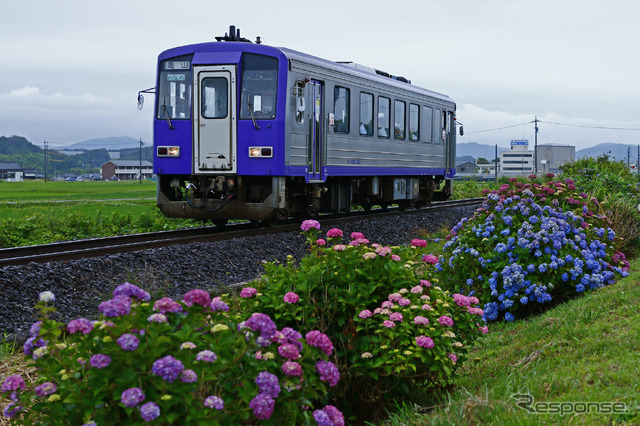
<point x="116" y="307"/>
<point x="268" y="383"/>
<point x="219" y="305"/>
<point x="262" y="406"/>
<point x="149" y="411"/>
<point x="424" y="342"/>
<point x="288" y="350"/>
<point x="292" y="368"/>
<point x="206" y="356"/>
<point x="322" y="418"/>
<point x="421" y="320"/>
<point x="128" y="289"/>
<point x="328" y="372"/>
<point x="263" y="324"/>
<point x="291" y="297"/>
<point x="100" y="361"/>
<point x="12" y="410"/>
<point x="197" y="297"/>
<point x="188" y="376"/>
<point x="396" y="317"/>
<point x="167" y="304"/>
<point x="168" y="368"/>
<point x="319" y="340"/>
<point x="336" y="416"/>
<point x="12" y="383"/>
<point x="445" y="320"/>
<point x="248" y="292"/>
<point x="46" y="389"/>
<point x="365" y="314"/>
<point x="310" y="223"/>
<point x="80" y="324"/>
<point x="34" y="331"/>
<point x="132" y="397"/>
<point x="214" y="401"/>
<point x="293" y="336"/>
<point x="128" y="342"/>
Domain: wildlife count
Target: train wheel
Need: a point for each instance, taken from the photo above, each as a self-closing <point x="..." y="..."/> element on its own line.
<point x="220" y="223"/>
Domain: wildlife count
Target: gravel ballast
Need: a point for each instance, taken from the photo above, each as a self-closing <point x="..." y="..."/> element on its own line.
<point x="81" y="285"/>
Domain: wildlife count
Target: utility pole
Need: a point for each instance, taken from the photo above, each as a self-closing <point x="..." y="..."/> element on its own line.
<point x="45" y="161"/>
<point x="140" y="160"/>
<point x="495" y="164"/>
<point x="535" y="151"/>
<point x="628" y="156"/>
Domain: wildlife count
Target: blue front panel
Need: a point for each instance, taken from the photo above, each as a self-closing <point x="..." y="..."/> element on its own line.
<point x="181" y="136"/>
<point x="271" y="133"/>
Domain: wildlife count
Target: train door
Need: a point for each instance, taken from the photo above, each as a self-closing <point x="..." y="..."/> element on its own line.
<point x="316" y="133"/>
<point x="214" y="119"/>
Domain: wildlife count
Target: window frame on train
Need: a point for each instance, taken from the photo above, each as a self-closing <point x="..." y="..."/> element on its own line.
<point x="366" y="114"/>
<point x="345" y="110"/>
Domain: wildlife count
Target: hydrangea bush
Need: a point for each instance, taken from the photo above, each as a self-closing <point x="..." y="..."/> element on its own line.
<point x="530" y="244"/>
<point x="192" y="361"/>
<point x="379" y="308"/>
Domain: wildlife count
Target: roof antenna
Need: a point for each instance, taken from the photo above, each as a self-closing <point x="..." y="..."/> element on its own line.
<point x="233" y="35"/>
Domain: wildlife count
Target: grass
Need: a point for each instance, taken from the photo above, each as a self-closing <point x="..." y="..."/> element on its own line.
<point x="585" y="350"/>
<point x="38" y="190"/>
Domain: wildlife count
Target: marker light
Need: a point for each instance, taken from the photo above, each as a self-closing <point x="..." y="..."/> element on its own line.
<point x="260" y="152"/>
<point x="168" y="151"/>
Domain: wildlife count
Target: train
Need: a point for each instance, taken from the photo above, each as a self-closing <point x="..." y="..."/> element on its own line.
<point x="243" y="130"/>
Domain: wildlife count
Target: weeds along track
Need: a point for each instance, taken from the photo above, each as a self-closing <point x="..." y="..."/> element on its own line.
<point x="79" y="249"/>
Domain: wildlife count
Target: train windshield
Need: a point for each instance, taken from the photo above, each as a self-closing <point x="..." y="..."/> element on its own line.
<point x="174" y="88"/>
<point x="259" y="87"/>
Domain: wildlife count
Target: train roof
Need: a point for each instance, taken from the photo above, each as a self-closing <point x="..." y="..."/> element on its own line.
<point x="232" y="51"/>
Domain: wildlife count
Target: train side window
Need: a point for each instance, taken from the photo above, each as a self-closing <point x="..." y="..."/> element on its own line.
<point x="300" y="102"/>
<point x="366" y="114"/>
<point x="414" y="122"/>
<point x="384" y="117"/>
<point x="399" y="119"/>
<point x="427" y="124"/>
<point x="259" y="86"/>
<point x="341" y="109"/>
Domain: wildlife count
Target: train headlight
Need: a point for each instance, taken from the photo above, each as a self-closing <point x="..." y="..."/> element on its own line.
<point x="260" y="152"/>
<point x="168" y="151"/>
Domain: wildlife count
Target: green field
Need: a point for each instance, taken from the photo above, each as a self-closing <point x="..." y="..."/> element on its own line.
<point x="39" y="212"/>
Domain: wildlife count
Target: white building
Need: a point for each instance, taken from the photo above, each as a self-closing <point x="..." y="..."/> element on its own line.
<point x="519" y="161"/>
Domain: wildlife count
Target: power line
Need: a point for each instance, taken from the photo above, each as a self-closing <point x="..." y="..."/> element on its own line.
<point x="499" y="128"/>
<point x="589" y="127"/>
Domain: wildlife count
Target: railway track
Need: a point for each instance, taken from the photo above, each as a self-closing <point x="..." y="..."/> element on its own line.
<point x="110" y="245"/>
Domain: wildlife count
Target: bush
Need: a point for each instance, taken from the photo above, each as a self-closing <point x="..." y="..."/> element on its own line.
<point x="379" y="309"/>
<point x="192" y="362"/>
<point x="529" y="244"/>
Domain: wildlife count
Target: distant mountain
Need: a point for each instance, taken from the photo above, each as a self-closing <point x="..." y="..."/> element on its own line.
<point x="476" y="150"/>
<point x="617" y="151"/>
<point x="112" y="143"/>
<point x="17" y="144"/>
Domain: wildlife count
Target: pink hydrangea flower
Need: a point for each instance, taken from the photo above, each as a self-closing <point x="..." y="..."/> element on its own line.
<point x="357" y="235"/>
<point x="416" y="242"/>
<point x="309" y="224"/>
<point x="291" y="297"/>
<point x="334" y="232"/>
<point x="453" y="357"/>
<point x="248" y="292"/>
<point x="421" y="320"/>
<point x="197" y="297"/>
<point x="166" y="304"/>
<point x="424" y="342"/>
<point x="430" y="258"/>
<point x="388" y="324"/>
<point x="387" y="304"/>
<point x="484" y="329"/>
<point x="417" y="289"/>
<point x="321" y="242"/>
<point x="445" y="320"/>
<point x="394" y="297"/>
<point x="81" y="324"/>
<point x="395" y="257"/>
<point x="404" y="302"/>
<point x="339" y="247"/>
<point x="383" y="251"/>
<point x="396" y="317"/>
<point x="365" y="314"/>
<point x="369" y="255"/>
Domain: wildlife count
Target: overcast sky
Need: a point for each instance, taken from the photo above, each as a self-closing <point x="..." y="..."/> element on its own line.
<point x="70" y="70"/>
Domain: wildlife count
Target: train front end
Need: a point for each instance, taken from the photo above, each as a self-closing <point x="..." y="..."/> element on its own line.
<point x="218" y="131"/>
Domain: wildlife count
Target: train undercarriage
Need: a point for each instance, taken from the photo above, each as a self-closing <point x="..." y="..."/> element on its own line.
<point x="271" y="199"/>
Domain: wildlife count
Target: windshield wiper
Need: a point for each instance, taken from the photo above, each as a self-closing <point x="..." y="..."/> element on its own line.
<point x="253" y="117"/>
<point x="166" y="116"/>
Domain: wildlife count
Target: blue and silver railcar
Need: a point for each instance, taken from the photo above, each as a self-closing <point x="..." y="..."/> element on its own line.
<point x="249" y="131"/>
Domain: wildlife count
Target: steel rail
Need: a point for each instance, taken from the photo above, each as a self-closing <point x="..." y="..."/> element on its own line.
<point x="69" y="250"/>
